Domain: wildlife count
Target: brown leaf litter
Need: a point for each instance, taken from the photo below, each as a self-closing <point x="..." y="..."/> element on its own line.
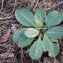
<point x="5" y="37"/>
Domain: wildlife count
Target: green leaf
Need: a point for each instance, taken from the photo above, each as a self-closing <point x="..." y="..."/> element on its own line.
<point x="31" y="32"/>
<point x="24" y="42"/>
<point x="55" y="32"/>
<point x="44" y="28"/>
<point x="51" y="47"/>
<point x="18" y="35"/>
<point x="25" y="17"/>
<point x="39" y="16"/>
<point x="54" y="18"/>
<point x="36" y="50"/>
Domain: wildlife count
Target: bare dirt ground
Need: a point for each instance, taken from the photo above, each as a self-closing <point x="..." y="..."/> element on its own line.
<point x="9" y="52"/>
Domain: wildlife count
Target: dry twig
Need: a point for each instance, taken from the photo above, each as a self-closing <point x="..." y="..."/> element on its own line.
<point x="2" y="4"/>
<point x="55" y="5"/>
<point x="4" y="18"/>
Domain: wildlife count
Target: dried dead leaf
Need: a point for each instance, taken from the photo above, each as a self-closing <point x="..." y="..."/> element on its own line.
<point x="40" y="3"/>
<point x="6" y="55"/>
<point x="50" y="3"/>
<point x="61" y="10"/>
<point x="5" y="37"/>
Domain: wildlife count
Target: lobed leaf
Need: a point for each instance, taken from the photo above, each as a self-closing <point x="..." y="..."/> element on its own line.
<point x="54" y="18"/>
<point x="55" y="32"/>
<point x="36" y="50"/>
<point x="31" y="32"/>
<point x="51" y="47"/>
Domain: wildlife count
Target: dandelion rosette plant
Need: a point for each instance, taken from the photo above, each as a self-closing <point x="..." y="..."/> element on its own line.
<point x="41" y="27"/>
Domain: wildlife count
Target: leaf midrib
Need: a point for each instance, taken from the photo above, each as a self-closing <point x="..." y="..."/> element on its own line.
<point x="40" y="16"/>
<point x="50" y="44"/>
<point x="52" y="19"/>
<point x="27" y="19"/>
<point x="37" y="47"/>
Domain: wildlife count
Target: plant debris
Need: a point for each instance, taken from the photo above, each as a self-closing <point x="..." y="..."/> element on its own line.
<point x="6" y="55"/>
<point x="5" y="37"/>
<point x="7" y="10"/>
